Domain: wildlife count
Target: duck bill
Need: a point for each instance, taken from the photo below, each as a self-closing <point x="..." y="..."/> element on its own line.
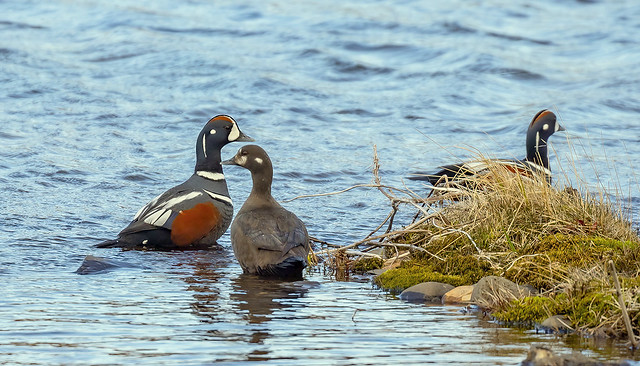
<point x="245" y="138"/>
<point x="231" y="161"/>
<point x="559" y="128"/>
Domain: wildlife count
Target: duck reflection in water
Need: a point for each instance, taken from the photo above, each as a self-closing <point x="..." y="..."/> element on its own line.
<point x="252" y="301"/>
<point x="258" y="298"/>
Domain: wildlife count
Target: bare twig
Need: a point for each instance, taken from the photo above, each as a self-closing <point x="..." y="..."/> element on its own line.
<point x="433" y="222"/>
<point x="402" y="245"/>
<point x="623" y="307"/>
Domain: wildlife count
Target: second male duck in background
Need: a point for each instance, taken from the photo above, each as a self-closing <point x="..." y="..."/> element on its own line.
<point x="542" y="126"/>
<point x="267" y="239"/>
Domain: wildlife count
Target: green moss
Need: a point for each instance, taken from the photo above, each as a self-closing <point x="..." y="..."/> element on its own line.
<point x="396" y="280"/>
<point x="590" y="309"/>
<point x="367" y="264"/>
<point x="585" y="310"/>
<point x="528" y="311"/>
<point x="549" y="261"/>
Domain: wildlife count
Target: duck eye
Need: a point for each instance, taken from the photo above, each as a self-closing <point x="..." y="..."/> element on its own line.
<point x="244" y="152"/>
<point x="227" y="127"/>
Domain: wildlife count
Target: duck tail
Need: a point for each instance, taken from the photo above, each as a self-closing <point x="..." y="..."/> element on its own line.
<point x="290" y="268"/>
<point x="109" y="244"/>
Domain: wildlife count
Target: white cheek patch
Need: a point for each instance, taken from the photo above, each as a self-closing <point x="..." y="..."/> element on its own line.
<point x="258" y="160"/>
<point x="242" y="160"/>
<point x="234" y="134"/>
<point x="557" y="127"/>
<point x="545" y="127"/>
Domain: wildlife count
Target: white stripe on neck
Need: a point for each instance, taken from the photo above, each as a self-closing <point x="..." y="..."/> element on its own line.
<point x="210" y="175"/>
<point x="219" y="197"/>
<point x="204" y="145"/>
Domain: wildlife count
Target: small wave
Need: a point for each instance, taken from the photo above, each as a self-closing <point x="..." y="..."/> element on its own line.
<point x="27" y="94"/>
<point x="363" y="112"/>
<point x="66" y="172"/>
<point x="137" y="177"/>
<point x="349" y="67"/>
<point x="360" y="47"/>
<point x="208" y="31"/>
<point x="512" y="73"/>
<point x="623" y="105"/>
<point x="17" y="25"/>
<point x="8" y="136"/>
<point x="116" y="57"/>
<point x="455" y="27"/>
<point x="519" y="38"/>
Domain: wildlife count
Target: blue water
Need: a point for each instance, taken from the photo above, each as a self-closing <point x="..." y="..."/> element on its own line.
<point x="102" y="101"/>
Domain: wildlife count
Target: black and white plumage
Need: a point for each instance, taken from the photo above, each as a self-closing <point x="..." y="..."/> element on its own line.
<point x="542" y="126"/>
<point x="195" y="213"/>
<point x="267" y="239"/>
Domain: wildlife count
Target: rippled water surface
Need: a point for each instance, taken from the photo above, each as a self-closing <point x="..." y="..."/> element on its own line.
<point x="102" y="101"/>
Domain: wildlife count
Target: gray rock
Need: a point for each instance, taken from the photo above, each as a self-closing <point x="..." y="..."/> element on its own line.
<point x="541" y="356"/>
<point x="459" y="295"/>
<point x="376" y="272"/>
<point x="94" y="265"/>
<point x="492" y="290"/>
<point x="426" y="292"/>
<point x="556" y="324"/>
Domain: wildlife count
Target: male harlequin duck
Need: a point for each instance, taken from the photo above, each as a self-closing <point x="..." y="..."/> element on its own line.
<point x="195" y="213"/>
<point x="267" y="239"/>
<point x="542" y="126"/>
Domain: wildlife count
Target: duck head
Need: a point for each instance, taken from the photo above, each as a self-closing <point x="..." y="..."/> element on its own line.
<point x="542" y="126"/>
<point x="256" y="160"/>
<point x="219" y="131"/>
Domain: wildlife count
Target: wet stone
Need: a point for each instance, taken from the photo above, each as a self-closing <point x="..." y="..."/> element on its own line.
<point x="376" y="272"/>
<point x="426" y="292"/>
<point x="94" y="265"/>
<point x="458" y="295"/>
<point x="493" y="288"/>
<point x="556" y="324"/>
<point x="542" y="356"/>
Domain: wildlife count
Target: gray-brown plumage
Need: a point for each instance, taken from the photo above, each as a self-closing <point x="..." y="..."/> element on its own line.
<point x="267" y="239"/>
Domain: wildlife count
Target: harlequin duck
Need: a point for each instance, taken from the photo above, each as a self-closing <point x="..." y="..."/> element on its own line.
<point x="267" y="239"/>
<point x="195" y="213"/>
<point x="542" y="126"/>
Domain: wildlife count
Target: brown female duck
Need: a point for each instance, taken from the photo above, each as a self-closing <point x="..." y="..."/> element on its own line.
<point x="267" y="239"/>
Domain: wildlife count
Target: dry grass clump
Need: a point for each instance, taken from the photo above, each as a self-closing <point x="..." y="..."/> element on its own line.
<point x="525" y="229"/>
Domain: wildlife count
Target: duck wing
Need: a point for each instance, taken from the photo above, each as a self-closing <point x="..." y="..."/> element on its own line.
<point x="273" y="230"/>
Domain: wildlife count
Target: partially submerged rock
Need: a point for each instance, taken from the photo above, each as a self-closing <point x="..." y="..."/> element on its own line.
<point x="426" y="292"/>
<point x="541" y="356"/>
<point x="377" y="271"/>
<point x="458" y="295"/>
<point x="556" y="324"/>
<point x="93" y="265"/>
<point x="492" y="291"/>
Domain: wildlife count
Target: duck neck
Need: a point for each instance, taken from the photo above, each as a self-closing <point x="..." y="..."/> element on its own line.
<point x="262" y="183"/>
<point x="537" y="150"/>
<point x="208" y="159"/>
<point x="261" y="191"/>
